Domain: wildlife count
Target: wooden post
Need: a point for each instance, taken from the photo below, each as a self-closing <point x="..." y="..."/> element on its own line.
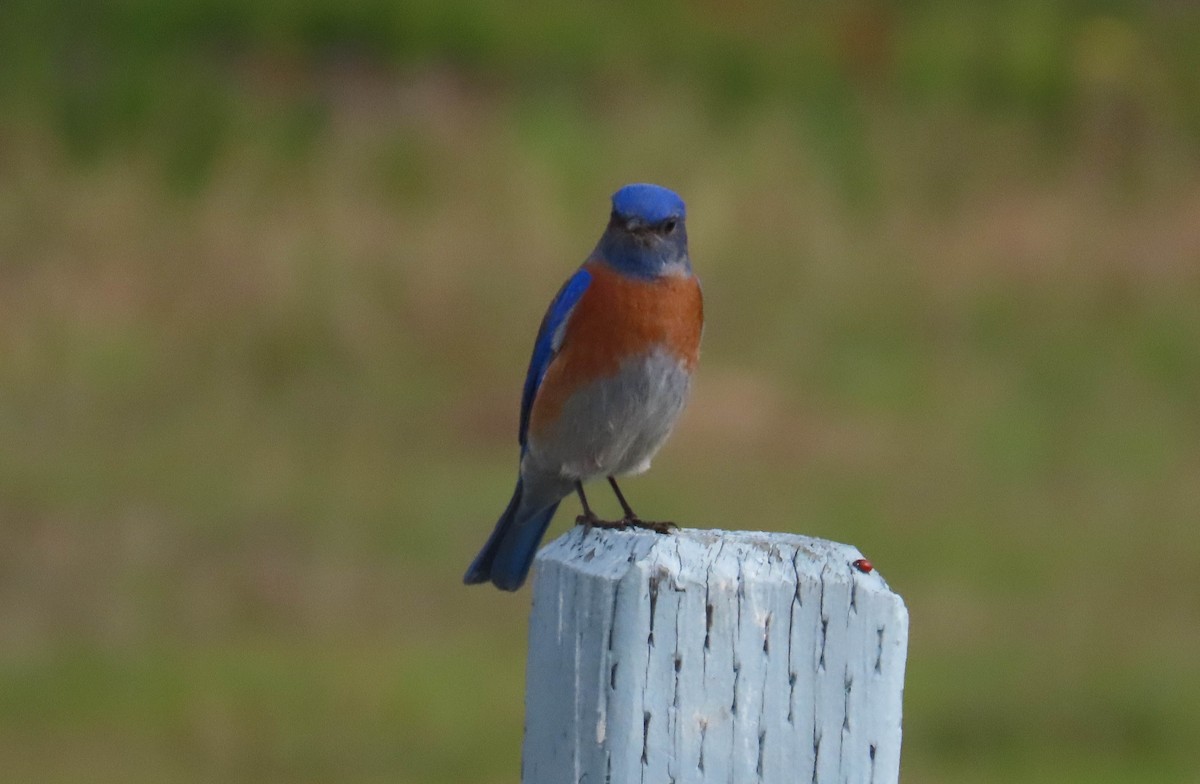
<point x="711" y="656"/>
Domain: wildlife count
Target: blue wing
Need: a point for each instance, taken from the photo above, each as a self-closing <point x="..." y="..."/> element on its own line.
<point x="545" y="347"/>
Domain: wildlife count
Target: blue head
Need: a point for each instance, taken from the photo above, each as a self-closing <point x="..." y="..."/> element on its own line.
<point x="646" y="235"/>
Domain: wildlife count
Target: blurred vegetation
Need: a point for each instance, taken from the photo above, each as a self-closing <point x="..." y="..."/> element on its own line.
<point x="269" y="273"/>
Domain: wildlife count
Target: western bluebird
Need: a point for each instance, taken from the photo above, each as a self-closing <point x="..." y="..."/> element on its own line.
<point x="610" y="373"/>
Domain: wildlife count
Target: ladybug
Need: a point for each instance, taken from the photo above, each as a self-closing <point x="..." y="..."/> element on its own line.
<point x="863" y="565"/>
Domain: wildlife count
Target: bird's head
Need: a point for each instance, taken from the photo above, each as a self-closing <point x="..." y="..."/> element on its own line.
<point x="647" y="233"/>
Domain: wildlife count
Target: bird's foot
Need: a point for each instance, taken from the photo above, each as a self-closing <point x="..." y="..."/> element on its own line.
<point x="590" y="521"/>
<point x="658" y="527"/>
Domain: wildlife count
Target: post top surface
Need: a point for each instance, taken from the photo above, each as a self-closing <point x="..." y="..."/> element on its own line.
<point x="699" y="555"/>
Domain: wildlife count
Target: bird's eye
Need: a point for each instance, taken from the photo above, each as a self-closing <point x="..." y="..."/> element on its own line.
<point x="669" y="226"/>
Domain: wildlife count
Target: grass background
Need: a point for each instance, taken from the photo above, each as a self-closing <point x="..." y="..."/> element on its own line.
<point x="269" y="274"/>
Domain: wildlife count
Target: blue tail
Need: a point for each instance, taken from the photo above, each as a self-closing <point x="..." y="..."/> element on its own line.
<point x="506" y="557"/>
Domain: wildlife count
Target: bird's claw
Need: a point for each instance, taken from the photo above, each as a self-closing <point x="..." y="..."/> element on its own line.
<point x="592" y="521"/>
<point x="657" y="526"/>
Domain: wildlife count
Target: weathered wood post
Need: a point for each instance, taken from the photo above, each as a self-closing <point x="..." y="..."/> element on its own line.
<point x="711" y="656"/>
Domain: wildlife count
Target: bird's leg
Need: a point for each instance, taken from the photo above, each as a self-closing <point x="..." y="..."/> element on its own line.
<point x="588" y="518"/>
<point x="631" y="518"/>
<point x="630" y="515"/>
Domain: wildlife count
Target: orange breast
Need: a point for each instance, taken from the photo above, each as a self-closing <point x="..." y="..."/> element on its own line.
<point x="618" y="317"/>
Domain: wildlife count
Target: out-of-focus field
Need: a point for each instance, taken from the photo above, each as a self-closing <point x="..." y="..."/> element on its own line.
<point x="269" y="276"/>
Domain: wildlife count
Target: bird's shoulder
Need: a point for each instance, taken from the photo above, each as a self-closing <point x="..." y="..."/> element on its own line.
<point x="548" y="341"/>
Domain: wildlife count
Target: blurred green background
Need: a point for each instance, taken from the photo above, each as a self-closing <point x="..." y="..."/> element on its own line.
<point x="269" y="277"/>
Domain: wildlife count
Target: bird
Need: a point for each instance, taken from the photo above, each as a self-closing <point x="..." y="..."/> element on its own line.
<point x="610" y="374"/>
